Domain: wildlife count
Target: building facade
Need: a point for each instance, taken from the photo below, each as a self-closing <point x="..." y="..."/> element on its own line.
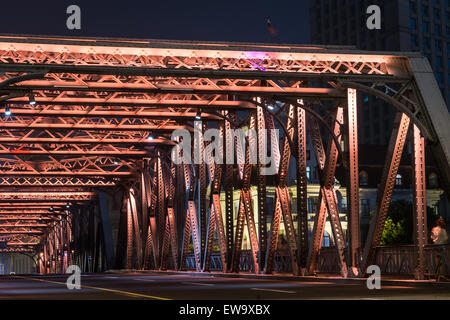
<point x="406" y="25"/>
<point x="371" y="164"/>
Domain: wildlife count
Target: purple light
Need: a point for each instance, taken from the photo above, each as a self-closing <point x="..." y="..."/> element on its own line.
<point x="257" y="65"/>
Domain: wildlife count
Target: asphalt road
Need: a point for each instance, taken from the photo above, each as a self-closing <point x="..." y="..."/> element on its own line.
<point x="154" y="286"/>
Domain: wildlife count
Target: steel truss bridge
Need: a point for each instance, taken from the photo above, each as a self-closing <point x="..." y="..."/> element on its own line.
<point x="78" y="114"/>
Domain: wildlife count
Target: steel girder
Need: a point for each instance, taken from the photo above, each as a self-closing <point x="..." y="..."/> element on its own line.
<point x="216" y="221"/>
<point x="302" y="192"/>
<point x="385" y="188"/>
<point x="245" y="213"/>
<point x="328" y="200"/>
<point x="353" y="181"/>
<point x="98" y="102"/>
<point x="419" y="201"/>
<point x="282" y="206"/>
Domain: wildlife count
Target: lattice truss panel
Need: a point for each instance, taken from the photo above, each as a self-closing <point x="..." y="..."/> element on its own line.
<point x="103" y="116"/>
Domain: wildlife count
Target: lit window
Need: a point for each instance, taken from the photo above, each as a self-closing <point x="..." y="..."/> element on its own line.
<point x="363" y="178"/>
<point x="326" y="239"/>
<point x="398" y="180"/>
<point x="433" y="180"/>
<point x="365" y="207"/>
<point x="343" y="205"/>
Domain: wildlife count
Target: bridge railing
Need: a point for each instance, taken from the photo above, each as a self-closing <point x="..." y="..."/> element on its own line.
<point x="401" y="259"/>
<point x="282" y="262"/>
<point x="392" y="260"/>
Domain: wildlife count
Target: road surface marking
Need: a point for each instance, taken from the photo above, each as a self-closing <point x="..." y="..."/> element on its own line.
<point x="199" y="284"/>
<point x="273" y="290"/>
<point x="149" y="280"/>
<point x="127" y="293"/>
<point x="110" y="277"/>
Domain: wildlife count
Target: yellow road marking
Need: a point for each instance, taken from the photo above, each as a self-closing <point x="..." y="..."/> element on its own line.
<point x="101" y="289"/>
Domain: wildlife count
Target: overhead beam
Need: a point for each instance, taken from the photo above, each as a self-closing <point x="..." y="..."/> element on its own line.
<point x="206" y="73"/>
<point x="61" y="86"/>
<point x="63" y="174"/>
<point x="88" y="126"/>
<point x="127" y="141"/>
<point x="113" y="153"/>
<point x="20" y="232"/>
<point x="24" y="225"/>
<point x="138" y="104"/>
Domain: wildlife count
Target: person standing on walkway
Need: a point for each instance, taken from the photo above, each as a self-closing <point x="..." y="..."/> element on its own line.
<point x="439" y="237"/>
<point x="439" y="232"/>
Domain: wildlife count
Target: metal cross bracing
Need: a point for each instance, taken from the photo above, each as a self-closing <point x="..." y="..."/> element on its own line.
<point x="86" y="136"/>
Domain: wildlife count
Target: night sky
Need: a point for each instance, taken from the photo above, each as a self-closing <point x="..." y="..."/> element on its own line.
<point x="213" y="20"/>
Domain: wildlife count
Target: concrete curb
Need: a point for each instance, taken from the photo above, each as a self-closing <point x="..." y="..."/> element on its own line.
<point x="408" y="282"/>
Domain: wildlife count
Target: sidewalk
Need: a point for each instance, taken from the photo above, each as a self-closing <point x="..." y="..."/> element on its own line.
<point x="385" y="279"/>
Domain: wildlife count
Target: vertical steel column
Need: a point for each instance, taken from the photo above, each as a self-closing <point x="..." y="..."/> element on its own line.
<point x="136" y="227"/>
<point x="385" y="188"/>
<point x="107" y="230"/>
<point x="144" y="212"/>
<point x="262" y="196"/>
<point x="161" y="221"/>
<point x="191" y="226"/>
<point x="302" y="192"/>
<point x="45" y="255"/>
<point x="129" y="232"/>
<point x="282" y="196"/>
<point x="245" y="207"/>
<point x="186" y="240"/>
<point x="228" y="185"/>
<point x="65" y="245"/>
<point x="216" y="217"/>
<point x="278" y="211"/>
<point x="166" y="235"/>
<point x="320" y="216"/>
<point x="172" y="218"/>
<point x="419" y="203"/>
<point x="170" y="237"/>
<point x="328" y="201"/>
<point x="202" y="186"/>
<point x="121" y="247"/>
<point x="180" y="204"/>
<point x="248" y="200"/>
<point x="353" y="180"/>
<point x="59" y="247"/>
<point x="70" y="239"/>
<point x="152" y="236"/>
<point x="329" y="194"/>
<point x="165" y="246"/>
<point x="209" y="238"/>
